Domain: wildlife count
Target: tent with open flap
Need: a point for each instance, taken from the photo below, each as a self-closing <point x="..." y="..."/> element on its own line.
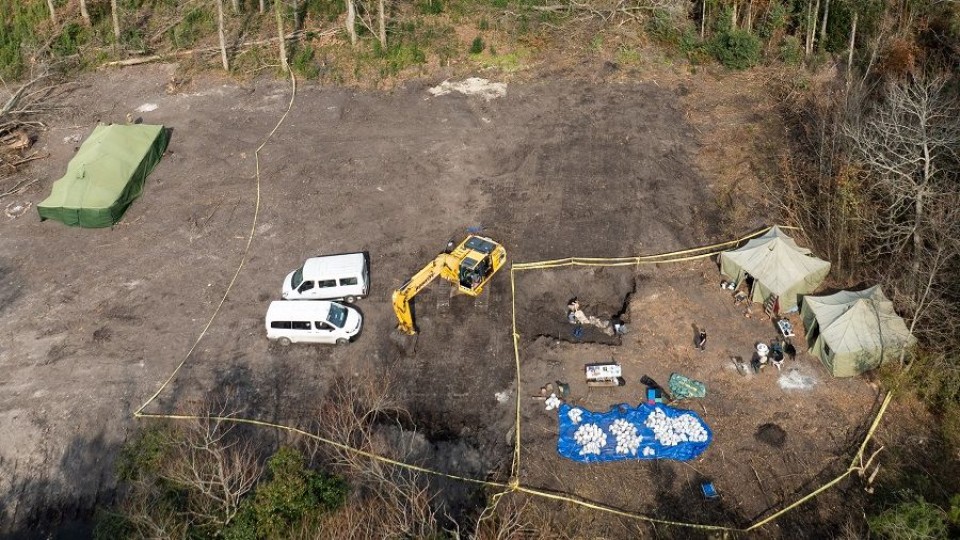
<point x="778" y="266"/>
<point x="106" y="175"/>
<point x="854" y="331"/>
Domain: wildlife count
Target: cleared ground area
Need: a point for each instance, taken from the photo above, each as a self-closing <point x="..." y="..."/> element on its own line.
<point x="95" y="320"/>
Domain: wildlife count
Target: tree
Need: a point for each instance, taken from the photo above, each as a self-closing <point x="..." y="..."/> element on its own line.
<point x="115" y="15"/>
<point x="281" y="36"/>
<point x="84" y="13"/>
<point x="351" y="22"/>
<point x="223" y="41"/>
<point x="53" y="12"/>
<point x="215" y="465"/>
<point x="908" y="146"/>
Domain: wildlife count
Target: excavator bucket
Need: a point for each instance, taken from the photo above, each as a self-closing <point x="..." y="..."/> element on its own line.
<point x="405" y="343"/>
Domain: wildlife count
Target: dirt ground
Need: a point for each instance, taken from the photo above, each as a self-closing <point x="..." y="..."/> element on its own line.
<point x="771" y="444"/>
<point x="94" y="320"/>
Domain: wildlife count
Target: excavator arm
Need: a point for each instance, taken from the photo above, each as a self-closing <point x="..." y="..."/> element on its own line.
<point x="444" y="265"/>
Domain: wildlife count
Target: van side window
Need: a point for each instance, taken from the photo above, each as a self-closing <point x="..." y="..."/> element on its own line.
<point x="321" y="325"/>
<point x="327" y="283"/>
<point x="285" y="325"/>
<point x="348" y="281"/>
<point x="305" y="286"/>
<point x="301" y="325"/>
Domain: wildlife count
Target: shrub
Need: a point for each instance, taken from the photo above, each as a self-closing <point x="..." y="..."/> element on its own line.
<point x="774" y="20"/>
<point x="736" y="49"/>
<point x="477" y="46"/>
<point x="293" y="493"/>
<point x="430" y="7"/>
<point x="911" y="520"/>
<point x="304" y="63"/>
<point x="678" y="34"/>
<point x="790" y="51"/>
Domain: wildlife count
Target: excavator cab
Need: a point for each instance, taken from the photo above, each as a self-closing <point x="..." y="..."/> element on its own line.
<point x="476" y="266"/>
<point x="473" y="272"/>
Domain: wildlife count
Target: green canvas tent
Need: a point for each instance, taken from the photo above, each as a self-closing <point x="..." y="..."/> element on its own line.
<point x="106" y="175"/>
<point x="778" y="266"/>
<point x="852" y="332"/>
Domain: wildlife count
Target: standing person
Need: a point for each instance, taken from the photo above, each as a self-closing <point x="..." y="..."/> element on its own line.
<point x="760" y="357"/>
<point x="700" y="339"/>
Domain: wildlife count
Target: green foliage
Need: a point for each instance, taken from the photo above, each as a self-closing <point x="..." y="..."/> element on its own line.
<point x="112" y="526"/>
<point x="143" y="455"/>
<point x="304" y="64"/>
<point x="477" y="46"/>
<point x="910" y="520"/>
<point x="70" y="39"/>
<point x="508" y="62"/>
<point x="196" y="24"/>
<point x="327" y="10"/>
<point x="934" y="377"/>
<point x="790" y="51"/>
<point x="18" y="31"/>
<point x="430" y="7"/>
<point x="736" y="49"/>
<point x="133" y="38"/>
<point x="723" y="22"/>
<point x="674" y="34"/>
<point x="483" y="25"/>
<point x="499" y="3"/>
<point x="291" y="494"/>
<point x="774" y="20"/>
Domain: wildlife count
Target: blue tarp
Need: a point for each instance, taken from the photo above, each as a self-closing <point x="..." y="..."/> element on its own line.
<point x="650" y="447"/>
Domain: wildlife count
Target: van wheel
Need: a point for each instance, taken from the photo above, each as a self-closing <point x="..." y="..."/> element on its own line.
<point x="284" y="342"/>
<point x="350" y="299"/>
<point x="343" y="341"/>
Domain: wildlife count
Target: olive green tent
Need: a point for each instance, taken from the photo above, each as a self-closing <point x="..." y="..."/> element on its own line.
<point x="852" y="332"/>
<point x="778" y="266"/>
<point x="105" y="175"/>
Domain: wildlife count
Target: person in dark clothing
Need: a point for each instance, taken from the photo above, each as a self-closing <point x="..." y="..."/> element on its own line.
<point x="700" y="339"/>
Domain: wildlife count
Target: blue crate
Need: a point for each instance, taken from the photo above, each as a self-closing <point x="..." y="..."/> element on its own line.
<point x="709" y="491"/>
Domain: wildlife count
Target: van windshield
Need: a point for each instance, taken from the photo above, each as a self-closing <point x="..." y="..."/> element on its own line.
<point x="337" y="316"/>
<point x="297" y="278"/>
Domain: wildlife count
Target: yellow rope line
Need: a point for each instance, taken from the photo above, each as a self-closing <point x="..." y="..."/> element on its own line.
<point x="243" y="257"/>
<point x="515" y="468"/>
<point x="673" y="256"/>
<point x="513" y="485"/>
<point x="341" y="446"/>
<point x="621" y="513"/>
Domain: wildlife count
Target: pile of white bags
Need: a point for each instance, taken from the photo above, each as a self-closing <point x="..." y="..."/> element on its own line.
<point x="590" y="438"/>
<point x="628" y="441"/>
<point x="673" y="431"/>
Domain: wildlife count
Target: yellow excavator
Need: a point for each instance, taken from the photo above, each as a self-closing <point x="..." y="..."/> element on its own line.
<point x="468" y="267"/>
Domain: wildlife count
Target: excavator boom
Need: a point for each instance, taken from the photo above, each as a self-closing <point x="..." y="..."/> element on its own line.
<point x="468" y="267"/>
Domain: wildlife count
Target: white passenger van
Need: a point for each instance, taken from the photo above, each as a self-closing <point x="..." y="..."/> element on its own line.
<point x="331" y="277"/>
<point x="312" y="322"/>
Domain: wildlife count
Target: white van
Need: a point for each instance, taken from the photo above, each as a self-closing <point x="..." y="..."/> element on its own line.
<point x="331" y="277"/>
<point x="312" y="322"/>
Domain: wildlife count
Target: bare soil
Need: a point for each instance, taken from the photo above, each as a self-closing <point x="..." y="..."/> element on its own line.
<point x="94" y="320"/>
<point x="771" y="445"/>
